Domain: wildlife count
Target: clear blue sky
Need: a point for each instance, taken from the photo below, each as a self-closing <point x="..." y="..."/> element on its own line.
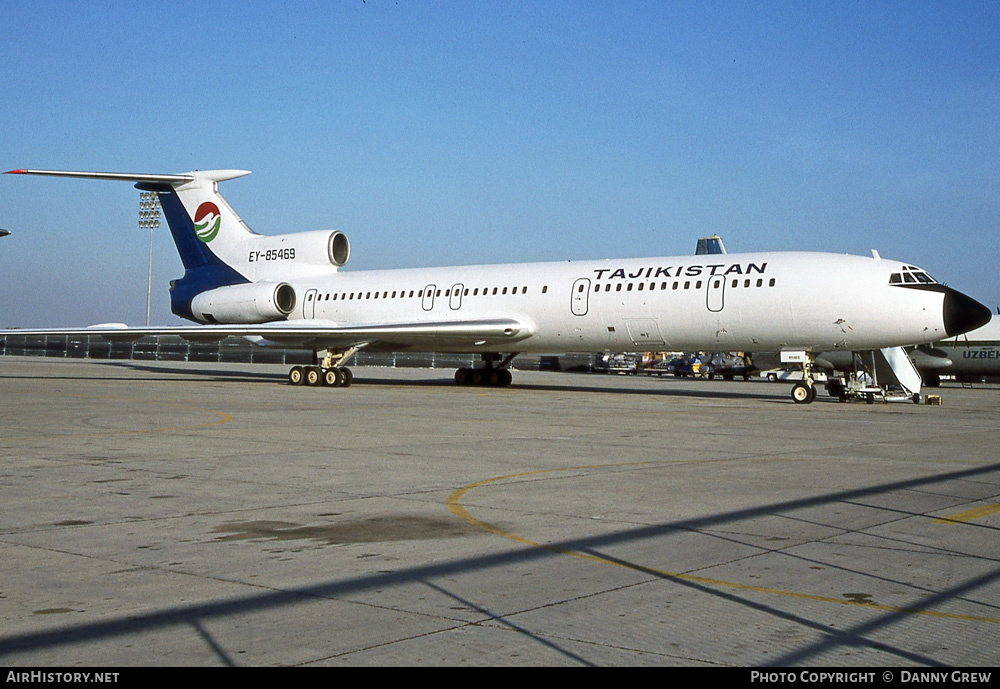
<point x="438" y="133"/>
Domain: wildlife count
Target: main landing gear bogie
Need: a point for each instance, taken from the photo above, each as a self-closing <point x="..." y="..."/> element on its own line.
<point x="493" y="373"/>
<point x="487" y="377"/>
<point x="328" y="371"/>
<point x="333" y="377"/>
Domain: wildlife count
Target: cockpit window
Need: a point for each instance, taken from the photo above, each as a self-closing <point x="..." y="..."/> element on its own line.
<point x="911" y="275"/>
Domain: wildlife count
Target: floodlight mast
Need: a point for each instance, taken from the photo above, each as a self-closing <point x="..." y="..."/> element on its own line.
<point x="149" y="217"/>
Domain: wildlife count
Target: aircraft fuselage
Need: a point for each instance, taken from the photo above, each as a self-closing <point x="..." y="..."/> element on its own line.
<point x="749" y="302"/>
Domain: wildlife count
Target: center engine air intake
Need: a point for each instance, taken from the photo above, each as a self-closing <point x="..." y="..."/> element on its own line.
<point x="258" y="302"/>
<point x="339" y="248"/>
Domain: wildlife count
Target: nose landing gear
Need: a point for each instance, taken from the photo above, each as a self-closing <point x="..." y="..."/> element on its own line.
<point x="804" y="391"/>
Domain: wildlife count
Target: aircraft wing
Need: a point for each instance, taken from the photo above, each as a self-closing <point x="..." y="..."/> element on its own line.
<point x="495" y="334"/>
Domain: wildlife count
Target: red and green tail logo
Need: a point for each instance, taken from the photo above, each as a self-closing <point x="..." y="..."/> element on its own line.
<point x="207" y="221"/>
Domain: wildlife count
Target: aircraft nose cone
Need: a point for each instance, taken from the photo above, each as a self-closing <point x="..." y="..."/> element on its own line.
<point x="962" y="313"/>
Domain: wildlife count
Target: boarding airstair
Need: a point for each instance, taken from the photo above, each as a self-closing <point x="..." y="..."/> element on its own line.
<point x="886" y="375"/>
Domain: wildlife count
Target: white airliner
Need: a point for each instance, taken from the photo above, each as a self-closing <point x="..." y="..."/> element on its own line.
<point x="288" y="290"/>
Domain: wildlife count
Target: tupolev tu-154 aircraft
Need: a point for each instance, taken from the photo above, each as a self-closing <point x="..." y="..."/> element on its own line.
<point x="288" y="290"/>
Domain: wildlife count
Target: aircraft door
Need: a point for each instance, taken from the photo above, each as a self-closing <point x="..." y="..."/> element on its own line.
<point x="428" y="299"/>
<point x="645" y="332"/>
<point x="309" y="306"/>
<point x="580" y="299"/>
<point x="714" y="297"/>
<point x="455" y="301"/>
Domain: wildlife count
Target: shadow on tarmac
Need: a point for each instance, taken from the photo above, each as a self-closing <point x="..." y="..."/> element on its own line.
<point x="195" y="616"/>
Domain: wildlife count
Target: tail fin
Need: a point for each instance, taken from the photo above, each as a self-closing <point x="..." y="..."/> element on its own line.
<point x="710" y="245"/>
<point x="207" y="232"/>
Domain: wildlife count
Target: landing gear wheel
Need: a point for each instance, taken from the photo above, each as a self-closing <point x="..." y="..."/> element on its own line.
<point x="803" y="393"/>
<point x="462" y="376"/>
<point x="332" y="377"/>
<point x="296" y="375"/>
<point x="347" y="376"/>
<point x="313" y="376"/>
<point x="506" y="378"/>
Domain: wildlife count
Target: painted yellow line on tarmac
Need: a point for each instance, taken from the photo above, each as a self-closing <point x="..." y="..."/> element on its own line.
<point x="969" y="515"/>
<point x="455" y="507"/>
